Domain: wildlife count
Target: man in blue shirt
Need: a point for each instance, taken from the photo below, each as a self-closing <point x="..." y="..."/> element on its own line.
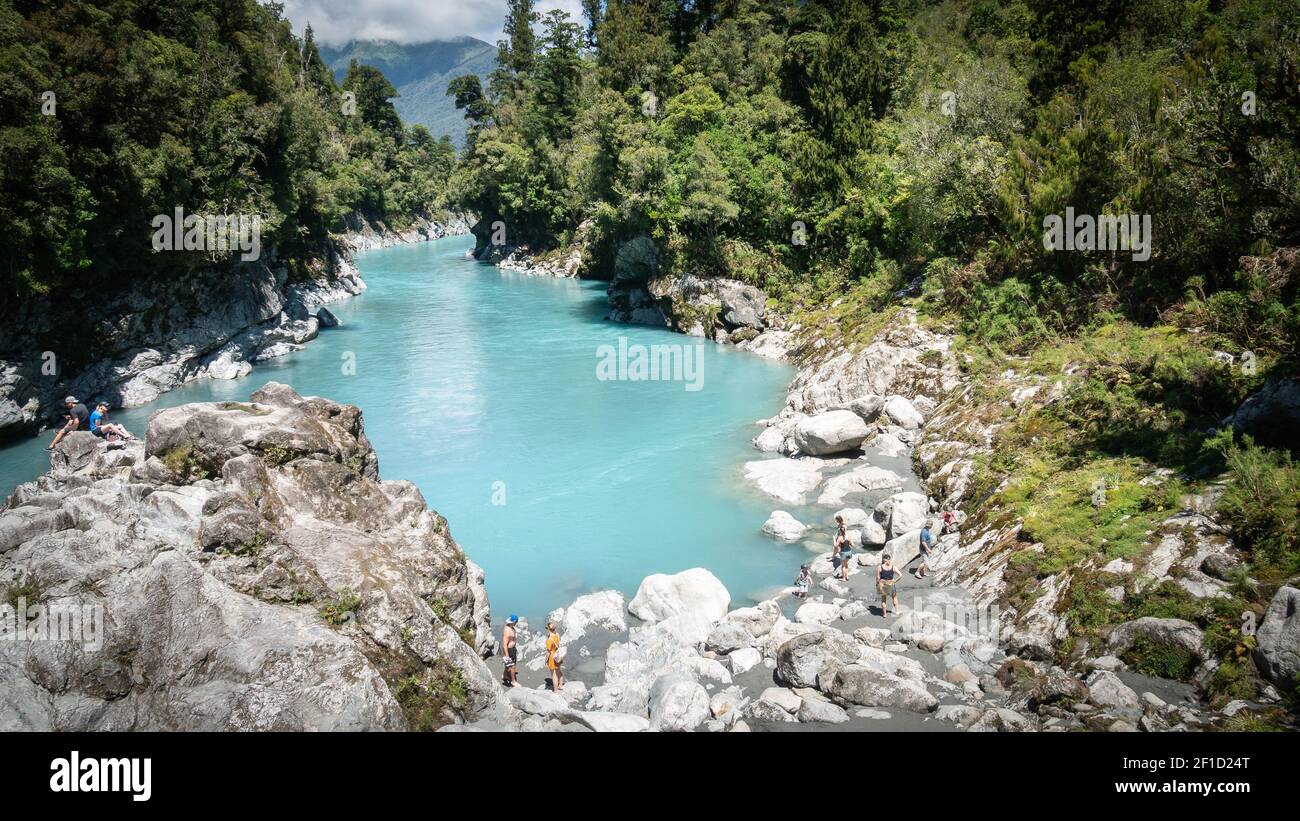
<point x="927" y="549"/>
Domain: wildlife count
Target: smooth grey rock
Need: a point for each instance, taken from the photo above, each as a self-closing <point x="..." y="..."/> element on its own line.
<point x="1277" y="652"/>
<point x="800" y="660"/>
<point x="678" y="703"/>
<point x="872" y="688"/>
<point x="309" y="625"/>
<point x="830" y="432"/>
<point x="1107" y="691"/>
<point x="695" y="592"/>
<point x="783" y="526"/>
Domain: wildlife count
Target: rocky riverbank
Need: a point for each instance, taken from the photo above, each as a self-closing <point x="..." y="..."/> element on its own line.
<point x="248" y="570"/>
<point x="891" y="429"/>
<point x="216" y="323"/>
<point x="854" y="412"/>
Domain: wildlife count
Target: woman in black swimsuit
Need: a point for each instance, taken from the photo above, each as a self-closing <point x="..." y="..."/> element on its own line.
<point x="886" y="578"/>
<point x="841" y="554"/>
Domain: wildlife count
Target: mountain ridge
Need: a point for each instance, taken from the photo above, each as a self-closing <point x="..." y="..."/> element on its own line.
<point x="420" y="72"/>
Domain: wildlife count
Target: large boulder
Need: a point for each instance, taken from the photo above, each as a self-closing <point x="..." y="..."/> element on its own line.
<point x="744" y="660"/>
<point x="256" y="574"/>
<point x="790" y="480"/>
<point x="903" y="512"/>
<point x="1270" y="411"/>
<point x="800" y="660"/>
<point x="759" y="619"/>
<point x="695" y="592"/>
<point x="1106" y="690"/>
<point x="537" y="702"/>
<point x="903" y="549"/>
<point x="612" y="722"/>
<point x="867" y="407"/>
<point x="870" y="687"/>
<point x="1171" y="637"/>
<point x="783" y="526"/>
<point x="728" y="636"/>
<point x="867" y="478"/>
<point x="605" y="610"/>
<point x="1277" y="651"/>
<point x="742" y="305"/>
<point x="817" y="709"/>
<point x="816" y="612"/>
<point x="678" y="703"/>
<point x="830" y="432"/>
<point x="903" y="413"/>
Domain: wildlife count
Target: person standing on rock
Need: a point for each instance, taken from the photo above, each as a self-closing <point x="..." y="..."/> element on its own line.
<point x="554" y="658"/>
<point x="510" y="652"/>
<point x="78" y="418"/>
<point x="886" y="578"/>
<point x="927" y="549"/>
<point x="841" y="548"/>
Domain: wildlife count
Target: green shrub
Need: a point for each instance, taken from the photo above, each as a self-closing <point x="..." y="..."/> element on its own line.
<point x="1161" y="660"/>
<point x="337" y="610"/>
<point x="1262" y="503"/>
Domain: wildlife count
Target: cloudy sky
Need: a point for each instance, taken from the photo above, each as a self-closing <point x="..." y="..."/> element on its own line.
<point x="407" y="21"/>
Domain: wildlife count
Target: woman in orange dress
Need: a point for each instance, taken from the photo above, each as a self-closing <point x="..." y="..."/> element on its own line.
<point x="554" y="658"/>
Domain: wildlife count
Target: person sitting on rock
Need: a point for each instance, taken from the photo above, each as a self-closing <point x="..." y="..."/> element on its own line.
<point x="554" y="657"/>
<point x="886" y="578"/>
<point x="949" y="523"/>
<point x="510" y="652"/>
<point x="104" y="429"/>
<point x="802" y="581"/>
<point x="77" y="419"/>
<point x="927" y="550"/>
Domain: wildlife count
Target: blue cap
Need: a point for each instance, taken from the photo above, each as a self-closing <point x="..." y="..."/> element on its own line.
<point x="513" y="618"/>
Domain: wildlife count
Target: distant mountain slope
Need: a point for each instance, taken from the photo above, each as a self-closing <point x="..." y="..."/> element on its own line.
<point x="421" y="71"/>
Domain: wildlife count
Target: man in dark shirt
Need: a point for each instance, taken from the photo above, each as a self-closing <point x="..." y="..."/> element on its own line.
<point x="78" y="419"/>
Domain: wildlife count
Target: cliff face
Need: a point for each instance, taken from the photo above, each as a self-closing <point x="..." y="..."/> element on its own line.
<point x="131" y="347"/>
<point x="251" y="572"/>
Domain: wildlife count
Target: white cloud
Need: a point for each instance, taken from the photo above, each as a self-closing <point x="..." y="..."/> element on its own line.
<point x="408" y="21"/>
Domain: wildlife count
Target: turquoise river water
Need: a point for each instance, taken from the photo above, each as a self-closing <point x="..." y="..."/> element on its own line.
<point x="482" y="387"/>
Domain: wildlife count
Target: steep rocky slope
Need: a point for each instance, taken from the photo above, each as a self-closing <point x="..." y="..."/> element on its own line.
<point x="252" y="572"/>
<point x="128" y="349"/>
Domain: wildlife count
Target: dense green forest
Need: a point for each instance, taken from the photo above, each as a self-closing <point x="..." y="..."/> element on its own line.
<point x="854" y="158"/>
<point x="910" y="138"/>
<point x="851" y="158"/>
<point x="113" y="112"/>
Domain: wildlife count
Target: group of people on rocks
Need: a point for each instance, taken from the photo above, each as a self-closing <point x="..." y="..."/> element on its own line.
<point x="79" y="418"/>
<point x="887" y="574"/>
<point x="510" y="654"/>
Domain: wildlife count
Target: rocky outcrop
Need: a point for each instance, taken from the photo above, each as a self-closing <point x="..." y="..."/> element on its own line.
<point x="1277" y="651"/>
<point x="783" y="526"/>
<point x="905" y="360"/>
<point x="363" y="234"/>
<point x="251" y="571"/>
<point x="830" y="432"/>
<point x="131" y="347"/>
<point x="565" y="263"/>
<point x="1269" y="412"/>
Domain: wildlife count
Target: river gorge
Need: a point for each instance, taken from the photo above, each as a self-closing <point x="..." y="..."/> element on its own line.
<point x="482" y="386"/>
